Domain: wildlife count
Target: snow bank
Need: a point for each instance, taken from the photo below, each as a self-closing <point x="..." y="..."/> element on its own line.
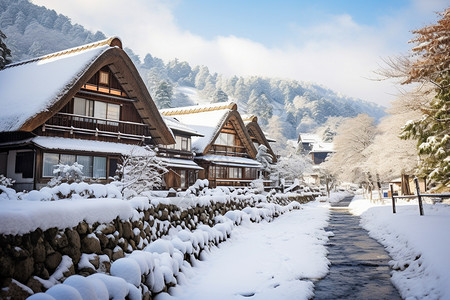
<point x="277" y="260"/>
<point x="418" y="245"/>
<point x="21" y="217"/>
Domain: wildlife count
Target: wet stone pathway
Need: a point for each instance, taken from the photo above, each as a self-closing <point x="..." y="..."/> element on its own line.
<point x="359" y="265"/>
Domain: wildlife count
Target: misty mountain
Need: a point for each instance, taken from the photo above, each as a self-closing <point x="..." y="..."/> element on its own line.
<point x="33" y="31"/>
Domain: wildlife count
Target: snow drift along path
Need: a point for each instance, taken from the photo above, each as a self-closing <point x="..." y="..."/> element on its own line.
<point x="274" y="260"/>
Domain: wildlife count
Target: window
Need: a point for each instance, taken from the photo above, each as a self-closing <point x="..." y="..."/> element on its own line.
<point x="100" y="109"/>
<point x="67" y="159"/>
<point x="183" y="179"/>
<point x="50" y="161"/>
<point x="83" y="107"/>
<point x="99" y="167"/>
<point x="225" y="139"/>
<point x="96" y="109"/>
<point x="86" y="162"/>
<point x="182" y="143"/>
<point x="235" y="172"/>
<point x="103" y="78"/>
<point x="93" y="166"/>
<point x="113" y="112"/>
<point x="250" y="173"/>
<point x="25" y="164"/>
<point x="113" y="162"/>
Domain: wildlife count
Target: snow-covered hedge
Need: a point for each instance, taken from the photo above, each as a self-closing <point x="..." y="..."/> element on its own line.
<point x="74" y="191"/>
<point x="161" y="264"/>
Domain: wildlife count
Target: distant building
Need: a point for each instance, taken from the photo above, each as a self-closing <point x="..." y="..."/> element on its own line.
<point x="313" y="145"/>
<point x="225" y="150"/>
<point x="179" y="158"/>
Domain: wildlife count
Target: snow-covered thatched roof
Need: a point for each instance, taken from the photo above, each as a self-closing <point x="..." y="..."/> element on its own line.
<point x="30" y="87"/>
<point x="209" y="120"/>
<point x="175" y="125"/>
<point x="32" y="91"/>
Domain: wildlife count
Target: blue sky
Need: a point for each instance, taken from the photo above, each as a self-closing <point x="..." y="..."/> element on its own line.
<point x="274" y="22"/>
<point x="338" y="44"/>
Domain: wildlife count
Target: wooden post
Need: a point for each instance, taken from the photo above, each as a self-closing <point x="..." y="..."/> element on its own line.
<point x="416" y="181"/>
<point x="393" y="199"/>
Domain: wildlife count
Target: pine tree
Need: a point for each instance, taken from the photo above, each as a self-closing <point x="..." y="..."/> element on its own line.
<point x="259" y="105"/>
<point x="219" y="96"/>
<point x="163" y="95"/>
<point x="4" y="52"/>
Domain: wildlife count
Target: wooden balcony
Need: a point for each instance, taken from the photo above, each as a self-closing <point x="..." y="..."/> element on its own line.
<point x="175" y="153"/>
<point x="238" y="151"/>
<point x="97" y="127"/>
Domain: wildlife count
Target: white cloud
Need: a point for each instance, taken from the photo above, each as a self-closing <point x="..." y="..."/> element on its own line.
<point x="338" y="53"/>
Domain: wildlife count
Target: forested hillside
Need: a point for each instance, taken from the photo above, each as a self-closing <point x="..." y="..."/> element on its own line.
<point x="298" y="106"/>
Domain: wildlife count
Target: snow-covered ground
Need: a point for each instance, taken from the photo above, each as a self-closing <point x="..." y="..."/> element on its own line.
<point x="419" y="245"/>
<point x="276" y="260"/>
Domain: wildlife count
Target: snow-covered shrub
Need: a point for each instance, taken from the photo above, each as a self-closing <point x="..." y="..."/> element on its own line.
<point x="74" y="190"/>
<point x="257" y="185"/>
<point x="6" y="182"/>
<point x="138" y="173"/>
<point x="67" y="173"/>
<point x="197" y="187"/>
<point x="6" y="192"/>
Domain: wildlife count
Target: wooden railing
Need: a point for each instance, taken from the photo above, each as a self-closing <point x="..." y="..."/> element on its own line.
<point x="418" y="195"/>
<point x="175" y="153"/>
<point x="228" y="150"/>
<point x="97" y="126"/>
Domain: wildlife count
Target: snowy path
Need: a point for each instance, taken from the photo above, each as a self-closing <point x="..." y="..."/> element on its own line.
<point x="274" y="260"/>
<point x="359" y="265"/>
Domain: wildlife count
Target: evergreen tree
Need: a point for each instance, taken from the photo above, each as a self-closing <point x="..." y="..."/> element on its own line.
<point x="4" y="52"/>
<point x="219" y="96"/>
<point x="260" y="106"/>
<point x="163" y="95"/>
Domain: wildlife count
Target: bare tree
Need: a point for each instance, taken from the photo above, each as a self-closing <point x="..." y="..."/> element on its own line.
<point x="353" y="137"/>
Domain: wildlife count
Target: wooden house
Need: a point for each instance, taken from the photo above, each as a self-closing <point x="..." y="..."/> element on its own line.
<point x="178" y="157"/>
<point x="313" y="145"/>
<point x="256" y="134"/>
<point x="225" y="151"/>
<point x="87" y="105"/>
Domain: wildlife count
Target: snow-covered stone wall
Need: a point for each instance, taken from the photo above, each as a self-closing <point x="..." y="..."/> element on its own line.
<point x="34" y="260"/>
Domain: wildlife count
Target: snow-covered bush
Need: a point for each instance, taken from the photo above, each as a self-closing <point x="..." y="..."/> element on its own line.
<point x="138" y="173"/>
<point x="5" y="181"/>
<point x="6" y="192"/>
<point x="67" y="173"/>
<point x="81" y="190"/>
<point x="257" y="185"/>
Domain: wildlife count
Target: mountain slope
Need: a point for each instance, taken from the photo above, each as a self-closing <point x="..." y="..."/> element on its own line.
<point x="34" y="31"/>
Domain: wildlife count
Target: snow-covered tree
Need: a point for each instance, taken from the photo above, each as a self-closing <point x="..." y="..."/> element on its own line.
<point x="201" y="78"/>
<point x="5" y="53"/>
<point x="353" y="137"/>
<point x="219" y="96"/>
<point x="141" y="172"/>
<point x="388" y="155"/>
<point x="264" y="158"/>
<point x="429" y="65"/>
<point x="274" y="130"/>
<point x="293" y="166"/>
<point x="259" y="105"/>
<point x="163" y="95"/>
